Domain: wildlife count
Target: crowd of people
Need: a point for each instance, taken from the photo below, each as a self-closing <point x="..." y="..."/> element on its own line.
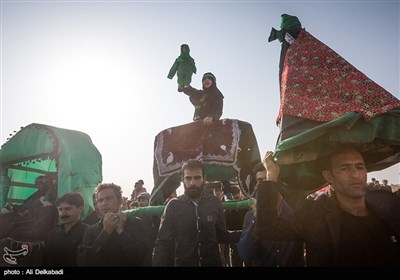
<point x="346" y="224"/>
<point x="351" y="222"/>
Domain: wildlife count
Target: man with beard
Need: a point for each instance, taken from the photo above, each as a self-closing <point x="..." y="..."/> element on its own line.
<point x="62" y="242"/>
<point x="194" y="222"/>
<point x="116" y="240"/>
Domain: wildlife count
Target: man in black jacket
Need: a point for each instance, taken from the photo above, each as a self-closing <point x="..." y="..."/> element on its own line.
<point x="348" y="227"/>
<point x="61" y="245"/>
<point x="194" y="222"/>
<point x="115" y="240"/>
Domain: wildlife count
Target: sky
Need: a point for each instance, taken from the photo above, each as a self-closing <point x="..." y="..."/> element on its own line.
<point x="101" y="67"/>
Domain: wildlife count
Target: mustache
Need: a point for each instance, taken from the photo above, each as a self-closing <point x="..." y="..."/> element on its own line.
<point x="193" y="189"/>
<point x="64" y="217"/>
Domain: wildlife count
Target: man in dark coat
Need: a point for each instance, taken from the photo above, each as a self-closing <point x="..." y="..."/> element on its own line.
<point x="350" y="227"/>
<point x="61" y="245"/>
<point x="115" y="240"/>
<point x="194" y="222"/>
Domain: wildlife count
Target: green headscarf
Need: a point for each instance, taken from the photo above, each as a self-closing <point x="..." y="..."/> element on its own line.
<point x="287" y="22"/>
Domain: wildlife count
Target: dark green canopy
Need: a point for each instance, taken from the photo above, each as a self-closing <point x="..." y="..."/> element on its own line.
<point x="38" y="149"/>
<point x="302" y="156"/>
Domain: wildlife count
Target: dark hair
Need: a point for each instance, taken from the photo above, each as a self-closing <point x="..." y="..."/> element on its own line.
<point x="145" y="195"/>
<point x="73" y="198"/>
<point x="102" y="186"/>
<point x="326" y="162"/>
<point x="235" y="189"/>
<point x="193" y="164"/>
<point x="40" y="179"/>
<point x="259" y="167"/>
<point x="210" y="76"/>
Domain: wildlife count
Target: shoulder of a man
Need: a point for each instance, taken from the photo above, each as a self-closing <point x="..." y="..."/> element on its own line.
<point x="133" y="220"/>
<point x="383" y="200"/>
<point x="212" y="198"/>
<point x="57" y="230"/>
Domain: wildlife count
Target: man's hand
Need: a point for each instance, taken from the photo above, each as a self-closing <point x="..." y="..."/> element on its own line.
<point x="271" y="167"/>
<point x="122" y="220"/>
<point x="110" y="221"/>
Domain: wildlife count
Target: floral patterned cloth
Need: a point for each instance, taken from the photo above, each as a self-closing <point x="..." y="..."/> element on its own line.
<point x="320" y="85"/>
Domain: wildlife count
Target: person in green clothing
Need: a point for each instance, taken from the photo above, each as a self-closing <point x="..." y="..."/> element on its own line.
<point x="184" y="67"/>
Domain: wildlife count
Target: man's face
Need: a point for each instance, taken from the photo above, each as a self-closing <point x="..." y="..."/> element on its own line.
<point x="107" y="201"/>
<point x="40" y="183"/>
<point x="348" y="174"/>
<point x="236" y="196"/>
<point x="193" y="182"/>
<point x="261" y="176"/>
<point x="143" y="202"/>
<point x="69" y="214"/>
<point x="218" y="192"/>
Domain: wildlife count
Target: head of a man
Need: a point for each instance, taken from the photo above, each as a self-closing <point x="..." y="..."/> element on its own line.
<point x="236" y="192"/>
<point x="193" y="177"/>
<point x="218" y="192"/>
<point x="42" y="184"/>
<point x="143" y="199"/>
<point x="109" y="198"/>
<point x="260" y="175"/>
<point x="70" y="207"/>
<point x="139" y="184"/>
<point x="346" y="172"/>
<point x="260" y="172"/>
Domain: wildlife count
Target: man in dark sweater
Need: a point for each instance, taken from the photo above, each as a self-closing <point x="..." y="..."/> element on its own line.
<point x="116" y="240"/>
<point x="62" y="242"/>
<point x="347" y="227"/>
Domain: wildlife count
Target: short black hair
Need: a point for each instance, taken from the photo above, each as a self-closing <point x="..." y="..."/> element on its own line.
<point x="73" y="198"/>
<point x="326" y="161"/>
<point x="259" y="167"/>
<point x="235" y="189"/>
<point x="193" y="164"/>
